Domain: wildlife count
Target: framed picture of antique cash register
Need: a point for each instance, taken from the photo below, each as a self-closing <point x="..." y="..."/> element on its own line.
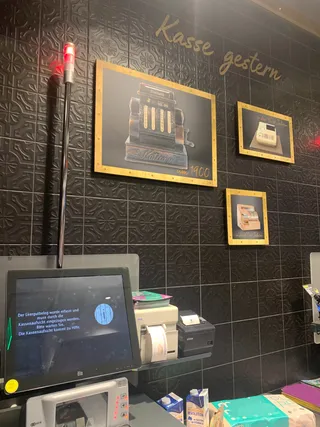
<point x="265" y="134"/>
<point x="247" y="217"/>
<point x="147" y="127"/>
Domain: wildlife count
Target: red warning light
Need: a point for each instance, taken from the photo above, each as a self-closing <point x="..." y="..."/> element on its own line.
<point x="69" y="53"/>
<point x="317" y="142"/>
<point x="69" y="49"/>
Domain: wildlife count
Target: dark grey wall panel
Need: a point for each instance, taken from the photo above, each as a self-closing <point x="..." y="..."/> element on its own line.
<point x="107" y="214"/>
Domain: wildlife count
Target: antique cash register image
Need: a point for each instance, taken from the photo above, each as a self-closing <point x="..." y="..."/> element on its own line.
<point x="151" y="128"/>
<point x="247" y="217"/>
<point x="265" y="134"/>
<point x="267" y="138"/>
<point x="156" y="129"/>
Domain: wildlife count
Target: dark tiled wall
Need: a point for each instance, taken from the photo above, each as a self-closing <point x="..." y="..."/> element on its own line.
<point x="252" y="295"/>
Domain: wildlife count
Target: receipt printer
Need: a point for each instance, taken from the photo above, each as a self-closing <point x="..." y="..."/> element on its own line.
<point x="196" y="335"/>
<point x="157" y="333"/>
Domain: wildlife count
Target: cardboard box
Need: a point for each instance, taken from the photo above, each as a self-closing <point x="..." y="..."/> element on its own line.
<point x="260" y="411"/>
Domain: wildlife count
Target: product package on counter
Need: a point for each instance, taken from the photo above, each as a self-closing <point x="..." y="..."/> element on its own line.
<point x="173" y="404"/>
<point x="258" y="411"/>
<point x="198" y="408"/>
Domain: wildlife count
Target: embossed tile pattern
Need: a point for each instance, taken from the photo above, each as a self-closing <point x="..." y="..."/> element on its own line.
<point x="252" y="295"/>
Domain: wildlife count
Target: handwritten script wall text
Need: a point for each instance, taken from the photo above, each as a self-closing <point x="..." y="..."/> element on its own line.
<point x="189" y="42"/>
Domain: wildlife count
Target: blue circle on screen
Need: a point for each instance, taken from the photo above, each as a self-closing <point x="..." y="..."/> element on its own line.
<point x="103" y="314"/>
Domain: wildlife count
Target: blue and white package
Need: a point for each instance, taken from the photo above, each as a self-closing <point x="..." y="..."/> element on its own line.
<point x="198" y="408"/>
<point x="172" y="404"/>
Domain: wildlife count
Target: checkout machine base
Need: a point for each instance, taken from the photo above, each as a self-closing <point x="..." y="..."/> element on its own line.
<point x="142" y="409"/>
<point x="90" y="404"/>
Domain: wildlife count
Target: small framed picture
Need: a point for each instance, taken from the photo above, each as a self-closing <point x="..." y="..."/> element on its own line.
<point x="247" y="217"/>
<point x="265" y="134"/>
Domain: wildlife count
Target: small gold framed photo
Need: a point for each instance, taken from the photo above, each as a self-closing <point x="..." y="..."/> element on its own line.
<point x="247" y="217"/>
<point x="265" y="134"/>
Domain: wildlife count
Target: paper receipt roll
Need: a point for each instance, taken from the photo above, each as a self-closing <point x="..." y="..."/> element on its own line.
<point x="159" y="343"/>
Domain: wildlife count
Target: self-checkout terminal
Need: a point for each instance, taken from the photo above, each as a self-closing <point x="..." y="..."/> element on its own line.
<point x="75" y="326"/>
<point x="68" y="326"/>
<point x="69" y="336"/>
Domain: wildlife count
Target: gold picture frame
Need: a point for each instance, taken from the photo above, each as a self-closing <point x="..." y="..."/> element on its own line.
<point x="247" y="218"/>
<point x="271" y="146"/>
<point x="198" y="175"/>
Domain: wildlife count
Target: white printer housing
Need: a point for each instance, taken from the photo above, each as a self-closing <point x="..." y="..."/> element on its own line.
<point x="267" y="134"/>
<point x="167" y="317"/>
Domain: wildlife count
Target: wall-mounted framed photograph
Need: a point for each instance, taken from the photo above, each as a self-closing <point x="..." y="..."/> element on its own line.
<point x="265" y="134"/>
<point x="147" y="127"/>
<point x="247" y="217"/>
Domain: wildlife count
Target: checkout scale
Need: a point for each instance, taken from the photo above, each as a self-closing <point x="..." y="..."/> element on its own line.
<point x="75" y="326"/>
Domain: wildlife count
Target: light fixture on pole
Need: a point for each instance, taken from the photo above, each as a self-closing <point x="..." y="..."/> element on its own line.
<point x="68" y="63"/>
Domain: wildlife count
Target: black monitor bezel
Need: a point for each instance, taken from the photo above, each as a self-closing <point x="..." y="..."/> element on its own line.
<point x="32" y="383"/>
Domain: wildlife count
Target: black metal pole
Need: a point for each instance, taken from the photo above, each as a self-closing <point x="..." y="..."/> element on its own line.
<point x="69" y="56"/>
<point x="64" y="174"/>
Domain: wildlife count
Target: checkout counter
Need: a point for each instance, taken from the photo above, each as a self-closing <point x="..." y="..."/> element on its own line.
<point x="78" y="313"/>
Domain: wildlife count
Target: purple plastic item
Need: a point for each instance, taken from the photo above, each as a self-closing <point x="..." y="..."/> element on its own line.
<point x="303" y="392"/>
